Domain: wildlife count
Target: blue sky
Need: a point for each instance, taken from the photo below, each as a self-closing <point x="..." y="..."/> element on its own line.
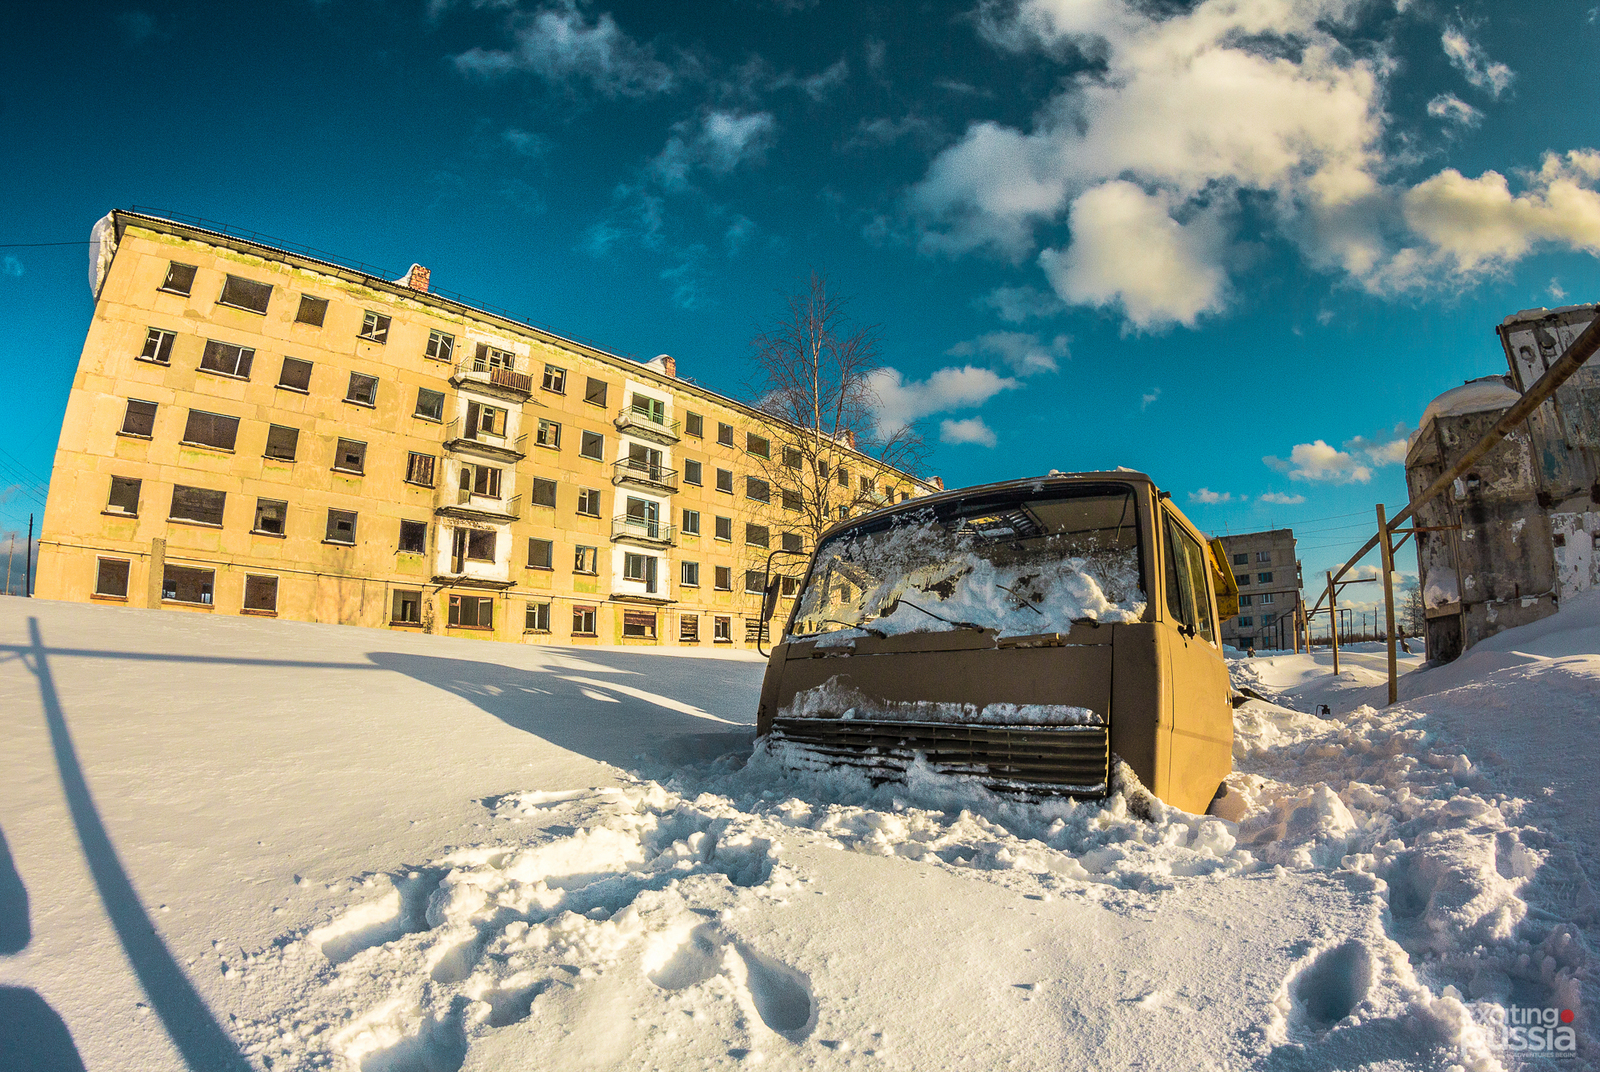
<point x="1238" y="246"/>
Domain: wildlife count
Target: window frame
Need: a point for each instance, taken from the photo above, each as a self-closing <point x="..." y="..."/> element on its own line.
<point x="136" y="484"/>
<point x="266" y="451"/>
<point x="592" y="497"/>
<point x="599" y="441"/>
<point x="585" y="620"/>
<point x="150" y="418"/>
<point x="548" y="434"/>
<point x="751" y="440"/>
<point x="362" y="379"/>
<point x="456" y="615"/>
<point x="244" y="284"/>
<point x="435" y="415"/>
<point x="208" y="593"/>
<point x="101" y="562"/>
<point x="721" y="629"/>
<point x="596" y="398"/>
<point x="334" y="515"/>
<point x="536" y="616"/>
<point x="725" y="481"/>
<point x="221" y="503"/>
<point x="161" y="353"/>
<point x="720" y="525"/>
<point x="693" y="472"/>
<point x="541" y="488"/>
<point x="217" y="421"/>
<point x="243" y="358"/>
<point x="375" y="327"/>
<point x="691" y="522"/>
<point x="310" y="301"/>
<point x="579" y="556"/>
<point x="399" y="599"/>
<point x="173" y="267"/>
<point x="688" y="574"/>
<point x="722" y="578"/>
<point x="283" y="374"/>
<point x="407" y="525"/>
<point x="282" y="518"/>
<point x="245" y="606"/>
<point x="752" y="484"/>
<point x="549" y="548"/>
<point x="724" y="434"/>
<point x="441" y="346"/>
<point x="342" y="447"/>
<point x="556" y="374"/>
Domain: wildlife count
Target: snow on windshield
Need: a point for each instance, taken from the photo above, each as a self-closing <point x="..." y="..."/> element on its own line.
<point x="1027" y="567"/>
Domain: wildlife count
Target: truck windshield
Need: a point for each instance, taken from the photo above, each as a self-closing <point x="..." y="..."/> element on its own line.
<point x="1017" y="564"/>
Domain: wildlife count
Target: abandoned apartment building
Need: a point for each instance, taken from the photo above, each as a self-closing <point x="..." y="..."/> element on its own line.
<point x="1268" y="574"/>
<point x="1515" y="535"/>
<point x="258" y="431"/>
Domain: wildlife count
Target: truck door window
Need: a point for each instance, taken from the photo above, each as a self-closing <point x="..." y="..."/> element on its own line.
<point x="1188" y="599"/>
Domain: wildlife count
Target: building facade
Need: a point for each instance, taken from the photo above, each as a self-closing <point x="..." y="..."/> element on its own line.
<point x="257" y="431"/>
<point x="1268" y="574"/>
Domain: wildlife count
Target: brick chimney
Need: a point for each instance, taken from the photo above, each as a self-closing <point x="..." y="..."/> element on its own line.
<point x="417" y="278"/>
<point x="663" y="363"/>
<point x="937" y="481"/>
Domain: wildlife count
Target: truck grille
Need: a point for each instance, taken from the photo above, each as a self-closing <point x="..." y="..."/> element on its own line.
<point x="1069" y="760"/>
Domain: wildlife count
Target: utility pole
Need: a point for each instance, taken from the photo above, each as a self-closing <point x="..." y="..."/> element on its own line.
<point x="1333" y="622"/>
<point x="1386" y="550"/>
<point x="11" y="552"/>
<point x="28" y="591"/>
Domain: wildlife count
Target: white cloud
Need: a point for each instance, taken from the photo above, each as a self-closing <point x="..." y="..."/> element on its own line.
<point x="971" y="430"/>
<point x="1278" y="498"/>
<point x="1469" y="58"/>
<point x="718" y="142"/>
<point x="1148" y="399"/>
<point x="1017" y="304"/>
<point x="1353" y="464"/>
<point x="524" y="143"/>
<point x="872" y="133"/>
<point x="1023" y="353"/>
<point x="1128" y="251"/>
<point x="1208" y="497"/>
<point x="1556" y="291"/>
<point x="1452" y="109"/>
<point x="11" y="266"/>
<point x="562" y="46"/>
<point x="819" y="85"/>
<point x="900" y="403"/>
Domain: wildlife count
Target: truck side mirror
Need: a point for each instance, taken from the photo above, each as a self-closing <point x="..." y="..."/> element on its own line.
<point x="769" y="601"/>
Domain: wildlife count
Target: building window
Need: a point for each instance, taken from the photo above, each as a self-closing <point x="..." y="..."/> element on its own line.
<point x="593" y="445"/>
<point x="419" y="469"/>
<point x="905" y="496"/>
<point x="689" y="574"/>
<point x="589" y="502"/>
<point x="1269" y="619"/>
<point x="867" y="486"/>
<point x="407" y="607"/>
<point x="271" y="516"/>
<point x="158" y="346"/>
<point x="651" y="409"/>
<point x="481" y="545"/>
<point x="725" y="434"/>
<point x="472" y="612"/>
<point x="695" y="425"/>
<point x="594" y="392"/>
<point x="844" y="512"/>
<point x="555" y="379"/>
<point x="375" y="327"/>
<point x="1241" y="579"/>
<point x="295" y="374"/>
<point x="724" y="529"/>
<point x="140" y="419"/>
<point x="844" y="477"/>
<point x="691" y="522"/>
<point x="1267" y="597"/>
<point x="543" y="492"/>
<point x="793" y="542"/>
<point x="688" y="628"/>
<point x="1242" y="558"/>
<point x="363" y="390"/>
<point x="757" y="445"/>
<point x="722" y="630"/>
<point x="1246" y="601"/>
<point x="791" y="587"/>
<point x="754" y="630"/>
<point x="692" y="472"/>
<point x="485" y="420"/>
<point x="641" y="568"/>
<point x="183" y="584"/>
<point x="441" y="346"/>
<point x="1263" y="578"/>
<point x="227" y="359"/>
<point x="725" y="480"/>
<point x="640" y="624"/>
<point x="537" y="619"/>
<point x="180" y="279"/>
<point x="413" y="537"/>
<point x="490" y="357"/>
<point x="791" y="498"/>
<point x="752" y="580"/>
<point x="124" y="497"/>
<point x="549" y="434"/>
<point x="756" y="535"/>
<point x="1264" y="556"/>
<point x="111" y="579"/>
<point x="791" y="457"/>
<point x="480" y="480"/>
<point x="1247" y="622"/>
<point x="541" y="553"/>
<point x="583" y="621"/>
<point x="341" y="527"/>
<point x="312" y="311"/>
<point x="211" y="430"/>
<point x="198" y="505"/>
<point x="350" y="456"/>
<point x="282" y="442"/>
<point x="722" y="577"/>
<point x="246" y="294"/>
<point x="584" y="559"/>
<point x="757" y="489"/>
<point x="430" y="404"/>
<point x="260" y="594"/>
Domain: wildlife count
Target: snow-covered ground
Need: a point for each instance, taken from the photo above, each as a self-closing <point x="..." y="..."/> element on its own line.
<point x="235" y="843"/>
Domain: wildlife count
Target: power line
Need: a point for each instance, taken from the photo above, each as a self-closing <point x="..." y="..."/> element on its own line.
<point x="39" y="245"/>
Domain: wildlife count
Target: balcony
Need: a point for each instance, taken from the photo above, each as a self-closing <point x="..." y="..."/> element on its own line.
<point x="458" y="434"/>
<point x="643" y="474"/>
<point x="482" y="373"/>
<point x="640" y="422"/>
<point x="641" y="530"/>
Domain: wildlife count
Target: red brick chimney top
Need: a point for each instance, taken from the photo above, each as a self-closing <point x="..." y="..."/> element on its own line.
<point x="417" y="278"/>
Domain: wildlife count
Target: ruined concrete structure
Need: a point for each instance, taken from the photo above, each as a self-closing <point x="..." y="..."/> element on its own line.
<point x="253" y="430"/>
<point x="1514" y="536"/>
<point x="1268" y="575"/>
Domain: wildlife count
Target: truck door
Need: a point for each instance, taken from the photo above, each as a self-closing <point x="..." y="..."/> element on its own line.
<point x="1201" y="745"/>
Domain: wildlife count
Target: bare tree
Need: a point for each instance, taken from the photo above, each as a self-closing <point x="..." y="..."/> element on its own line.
<point x="814" y="374"/>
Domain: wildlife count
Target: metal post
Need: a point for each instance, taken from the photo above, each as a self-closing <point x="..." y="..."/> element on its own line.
<point x="11" y="552"/>
<point x="28" y="591"/>
<point x="1333" y="622"/>
<point x="1386" y="550"/>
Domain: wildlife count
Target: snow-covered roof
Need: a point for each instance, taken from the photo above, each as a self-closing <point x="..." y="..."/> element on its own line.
<point x="1475" y="396"/>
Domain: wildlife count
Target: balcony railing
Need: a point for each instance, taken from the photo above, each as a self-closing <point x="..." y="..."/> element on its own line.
<point x="641" y="528"/>
<point x="496" y="375"/>
<point x="637" y="471"/>
<point x="645" y="423"/>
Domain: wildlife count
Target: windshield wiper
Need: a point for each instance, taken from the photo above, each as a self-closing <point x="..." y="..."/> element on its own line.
<point x="879" y="633"/>
<point x="940" y="617"/>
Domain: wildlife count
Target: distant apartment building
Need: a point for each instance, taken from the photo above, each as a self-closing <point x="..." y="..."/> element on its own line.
<point x="258" y="431"/>
<point x="1268" y="574"/>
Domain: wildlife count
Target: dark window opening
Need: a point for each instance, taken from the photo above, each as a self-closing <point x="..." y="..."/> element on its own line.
<point x="481" y="545"/>
<point x="140" y="419"/>
<point x="419" y="469"/>
<point x="757" y="489"/>
<point x="407" y="608"/>
<point x="440" y="345"/>
<point x="593" y="445"/>
<point x="228" y="359"/>
<point x="594" y="392"/>
<point x="296" y="374"/>
<point x="543" y="492"/>
<point x="589" y="502"/>
<point x="158" y="346"/>
<point x="541" y="553"/>
<point x="430" y="404"/>
<point x="282" y="442"/>
<point x="724" y="528"/>
<point x="211" y="430"/>
<point x="363" y="390"/>
<point x="375" y="327"/>
<point x="756" y="535"/>
<point x="341" y="527"/>
<point x="695" y="425"/>
<point x="312" y="311"/>
<point x="725" y="434"/>
<point x="182" y="584"/>
<point x="261" y="594"/>
<point x="414" y="537"/>
<point x="538" y="618"/>
<point x="246" y="294"/>
<point x="200" y="505"/>
<point x="124" y="496"/>
<point x="112" y="578"/>
<point x="555" y="379"/>
<point x="350" y="456"/>
<point x="640" y="624"/>
<point x="583" y="621"/>
<point x="472" y="612"/>
<point x="271" y="515"/>
<point x="180" y="279"/>
<point x="757" y="445"/>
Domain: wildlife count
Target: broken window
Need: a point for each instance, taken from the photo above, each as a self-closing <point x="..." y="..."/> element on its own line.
<point x="639" y="624"/>
<point x="692" y="472"/>
<point x="757" y="489"/>
<point x="140" y="419"/>
<point x="199" y="505"/>
<point x="689" y="574"/>
<point x="724" y="528"/>
<point x="111" y="578"/>
<point x="691" y="522"/>
<point x="543" y="492"/>
<point x="440" y="345"/>
<point x="752" y="580"/>
<point x="271" y="515"/>
<point x="375" y="327"/>
<point x="363" y="390"/>
<point x="538" y="618"/>
<point x="725" y="480"/>
<point x="485" y="420"/>
<point x="350" y="456"/>
<point x="583" y="621"/>
<point x="341" y="527"/>
<point x="549" y="434"/>
<point x="491" y="357"/>
<point x="282" y="442"/>
<point x="407" y="607"/>
<point x="260" y="593"/>
<point x="584" y="559"/>
<point x="688" y="628"/>
<point x="754" y="630"/>
<point x="312" y="311"/>
<point x="594" y="392"/>
<point x="541" y="553"/>
<point x="756" y="535"/>
<point x="124" y="496"/>
<point x="246" y="294"/>
<point x="430" y="404"/>
<point x="480" y="480"/>
<point x="183" y="584"/>
<point x="723" y="578"/>
<point x="695" y="425"/>
<point x="419" y="469"/>
<point x="481" y="545"/>
<point x="158" y="346"/>
<point x="790" y="587"/>
<point x="211" y="430"/>
<point x="722" y="630"/>
<point x="649" y="409"/>
<point x="593" y="445"/>
<point x="641" y="568"/>
<point x="867" y="487"/>
<point x="589" y="502"/>
<point x="725" y="434"/>
<point x="413" y="537"/>
<point x="180" y="279"/>
<point x="555" y="379"/>
<point x="757" y="445"/>
<point x="296" y="374"/>
<point x="472" y="612"/>
<point x="1264" y="556"/>
<point x="228" y="359"/>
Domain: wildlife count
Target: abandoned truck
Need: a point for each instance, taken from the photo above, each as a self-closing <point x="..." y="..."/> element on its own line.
<point x="1021" y="633"/>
